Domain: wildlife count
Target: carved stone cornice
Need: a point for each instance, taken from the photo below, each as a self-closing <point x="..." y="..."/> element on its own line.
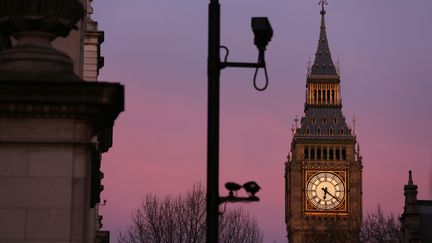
<point x="97" y="102"/>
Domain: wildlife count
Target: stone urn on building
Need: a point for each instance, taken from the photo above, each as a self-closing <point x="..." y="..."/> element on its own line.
<point x="34" y="24"/>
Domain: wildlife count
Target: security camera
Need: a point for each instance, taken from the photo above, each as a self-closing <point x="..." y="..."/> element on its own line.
<point x="232" y="186"/>
<point x="251" y="188"/>
<point x="262" y="30"/>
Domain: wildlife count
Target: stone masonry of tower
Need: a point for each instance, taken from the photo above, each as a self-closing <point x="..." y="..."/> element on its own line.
<point x="323" y="174"/>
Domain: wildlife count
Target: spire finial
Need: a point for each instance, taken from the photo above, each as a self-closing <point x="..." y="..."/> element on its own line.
<point x="410" y="180"/>
<point x="323" y="3"/>
<point x="354" y="121"/>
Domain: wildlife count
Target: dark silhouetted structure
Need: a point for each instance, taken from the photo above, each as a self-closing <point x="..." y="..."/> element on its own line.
<point x="416" y="219"/>
<point x="53" y="127"/>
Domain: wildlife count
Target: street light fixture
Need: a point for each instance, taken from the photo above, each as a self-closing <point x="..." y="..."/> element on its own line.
<point x="250" y="187"/>
<point x="232" y="187"/>
<point x="263" y="34"/>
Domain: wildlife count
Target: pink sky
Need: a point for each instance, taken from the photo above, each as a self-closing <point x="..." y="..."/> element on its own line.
<point x="158" y="50"/>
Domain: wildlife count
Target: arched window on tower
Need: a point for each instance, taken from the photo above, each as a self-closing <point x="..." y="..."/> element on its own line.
<point x="319" y="95"/>
<point x="312" y="154"/>
<point x="328" y="96"/>
<point x="324" y="154"/>
<point x="323" y="95"/>
<point x="337" y="154"/>
<point x="331" y="154"/>
<point x="344" y="154"/>
<point x="306" y="153"/>
<point x="333" y="96"/>
<point x="315" y="95"/>
<point x="318" y="154"/>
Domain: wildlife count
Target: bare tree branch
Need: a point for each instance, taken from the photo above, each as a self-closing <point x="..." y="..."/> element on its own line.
<point x="182" y="219"/>
<point x="377" y="228"/>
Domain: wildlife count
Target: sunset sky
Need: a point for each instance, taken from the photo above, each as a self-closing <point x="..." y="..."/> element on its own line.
<point x="158" y="50"/>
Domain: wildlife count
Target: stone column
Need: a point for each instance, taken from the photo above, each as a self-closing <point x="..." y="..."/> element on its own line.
<point x="53" y="127"/>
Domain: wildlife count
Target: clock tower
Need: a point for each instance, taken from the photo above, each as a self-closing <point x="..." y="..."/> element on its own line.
<point x="323" y="174"/>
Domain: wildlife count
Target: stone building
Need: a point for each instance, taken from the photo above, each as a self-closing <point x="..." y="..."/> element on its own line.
<point x="53" y="125"/>
<point x="323" y="174"/>
<point x="416" y="219"/>
<point x="84" y="45"/>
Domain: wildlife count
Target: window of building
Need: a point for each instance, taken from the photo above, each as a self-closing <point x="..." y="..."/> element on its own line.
<point x="344" y="154"/>
<point x="331" y="154"/>
<point x="312" y="154"/>
<point x="324" y="154"/>
<point x="306" y="153"/>
<point x="319" y="154"/>
<point x="337" y="154"/>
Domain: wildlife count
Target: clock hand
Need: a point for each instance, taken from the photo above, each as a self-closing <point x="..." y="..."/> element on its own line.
<point x="325" y="192"/>
<point x="332" y="196"/>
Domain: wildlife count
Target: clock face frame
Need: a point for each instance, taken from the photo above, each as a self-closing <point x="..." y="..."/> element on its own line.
<point x="325" y="191"/>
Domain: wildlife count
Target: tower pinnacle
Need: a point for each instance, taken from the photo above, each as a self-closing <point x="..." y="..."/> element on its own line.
<point x="410" y="180"/>
<point x="323" y="64"/>
<point x="323" y="80"/>
<point x="323" y="3"/>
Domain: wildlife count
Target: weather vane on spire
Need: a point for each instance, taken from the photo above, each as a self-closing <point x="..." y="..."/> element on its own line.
<point x="322" y="3"/>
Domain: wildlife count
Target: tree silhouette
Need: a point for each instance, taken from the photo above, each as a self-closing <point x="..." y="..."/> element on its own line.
<point x="182" y="219"/>
<point x="378" y="228"/>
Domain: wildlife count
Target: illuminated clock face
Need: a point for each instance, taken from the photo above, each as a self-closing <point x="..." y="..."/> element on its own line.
<point x="325" y="191"/>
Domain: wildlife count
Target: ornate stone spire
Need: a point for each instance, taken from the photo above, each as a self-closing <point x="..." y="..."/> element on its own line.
<point x="410" y="190"/>
<point x="323" y="64"/>
<point x="410" y="180"/>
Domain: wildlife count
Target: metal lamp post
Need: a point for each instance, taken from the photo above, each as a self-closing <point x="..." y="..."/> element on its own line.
<point x="263" y="33"/>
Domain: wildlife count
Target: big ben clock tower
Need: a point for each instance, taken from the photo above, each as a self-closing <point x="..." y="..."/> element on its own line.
<point x="323" y="174"/>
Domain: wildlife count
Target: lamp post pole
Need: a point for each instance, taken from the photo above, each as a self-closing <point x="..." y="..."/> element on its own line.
<point x="263" y="34"/>
<point x="213" y="72"/>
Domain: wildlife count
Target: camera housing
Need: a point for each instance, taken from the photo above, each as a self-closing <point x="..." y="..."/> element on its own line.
<point x="262" y="30"/>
